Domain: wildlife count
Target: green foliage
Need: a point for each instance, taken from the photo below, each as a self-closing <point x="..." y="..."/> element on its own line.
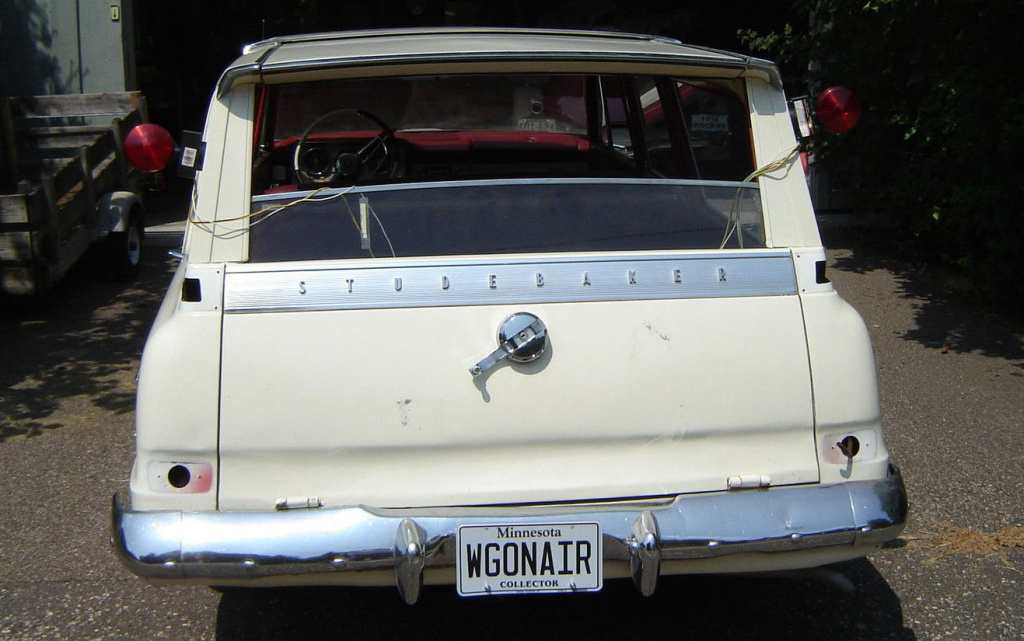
<point x="783" y="45"/>
<point x="942" y="135"/>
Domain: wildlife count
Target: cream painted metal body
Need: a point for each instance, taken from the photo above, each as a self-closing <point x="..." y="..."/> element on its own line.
<point x="668" y="377"/>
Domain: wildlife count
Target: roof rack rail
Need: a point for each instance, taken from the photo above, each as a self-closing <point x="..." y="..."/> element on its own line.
<point x="412" y="31"/>
<point x="259" y="53"/>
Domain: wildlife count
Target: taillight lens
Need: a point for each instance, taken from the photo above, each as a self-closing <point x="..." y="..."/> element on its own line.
<point x="149" y="147"/>
<point x="838" y="109"/>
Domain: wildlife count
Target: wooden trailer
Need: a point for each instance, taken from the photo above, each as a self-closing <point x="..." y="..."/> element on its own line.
<point x="66" y="186"/>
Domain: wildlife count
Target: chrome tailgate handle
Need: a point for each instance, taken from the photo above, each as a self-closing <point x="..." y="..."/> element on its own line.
<point x="522" y="338"/>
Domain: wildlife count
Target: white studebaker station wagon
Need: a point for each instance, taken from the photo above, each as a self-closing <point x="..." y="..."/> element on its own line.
<point x="512" y="310"/>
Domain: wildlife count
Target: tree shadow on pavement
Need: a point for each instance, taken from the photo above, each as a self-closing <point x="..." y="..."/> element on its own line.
<point x="78" y="348"/>
<point x="716" y="608"/>
<point x="947" y="315"/>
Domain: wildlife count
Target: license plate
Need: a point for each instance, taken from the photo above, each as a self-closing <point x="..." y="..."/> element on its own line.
<point x="528" y="558"/>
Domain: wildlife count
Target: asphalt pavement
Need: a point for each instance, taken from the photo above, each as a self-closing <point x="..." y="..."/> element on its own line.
<point x="952" y="384"/>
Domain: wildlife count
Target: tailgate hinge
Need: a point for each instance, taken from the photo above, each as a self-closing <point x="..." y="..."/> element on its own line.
<point x="749" y="482"/>
<point x="298" y="503"/>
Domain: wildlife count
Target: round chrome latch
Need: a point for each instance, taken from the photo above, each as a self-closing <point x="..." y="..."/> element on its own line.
<point x="523" y="336"/>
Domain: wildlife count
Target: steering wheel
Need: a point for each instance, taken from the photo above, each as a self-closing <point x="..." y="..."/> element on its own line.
<point x="313" y="165"/>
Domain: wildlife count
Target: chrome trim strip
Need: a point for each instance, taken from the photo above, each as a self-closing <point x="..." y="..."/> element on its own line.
<point x="585" y="57"/>
<point x="234" y="74"/>
<point x="237" y="546"/>
<point x="490" y="282"/>
<point x="504" y="259"/>
<point x="502" y="182"/>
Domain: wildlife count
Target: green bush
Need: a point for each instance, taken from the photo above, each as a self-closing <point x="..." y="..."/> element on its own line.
<point x="942" y="135"/>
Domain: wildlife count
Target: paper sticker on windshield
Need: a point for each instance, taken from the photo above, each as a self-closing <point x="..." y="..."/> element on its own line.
<point x="537" y="124"/>
<point x="709" y="123"/>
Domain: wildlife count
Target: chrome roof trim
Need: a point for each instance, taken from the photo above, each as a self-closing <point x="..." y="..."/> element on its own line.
<point x="245" y="67"/>
<point x="449" y="31"/>
<point x="229" y="77"/>
<point x="581" y="56"/>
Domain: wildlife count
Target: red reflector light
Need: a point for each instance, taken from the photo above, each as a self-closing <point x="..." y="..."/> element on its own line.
<point x="838" y="109"/>
<point x="149" y="147"/>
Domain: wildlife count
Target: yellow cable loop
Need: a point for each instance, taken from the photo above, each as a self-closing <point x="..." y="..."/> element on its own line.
<point x="774" y="165"/>
<point x="732" y="223"/>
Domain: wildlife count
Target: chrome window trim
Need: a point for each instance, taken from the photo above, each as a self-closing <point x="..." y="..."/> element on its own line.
<point x="494" y="182"/>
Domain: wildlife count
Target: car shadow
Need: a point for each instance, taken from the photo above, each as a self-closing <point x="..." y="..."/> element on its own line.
<point x="691" y="607"/>
<point x="948" y="314"/>
<point x="78" y="347"/>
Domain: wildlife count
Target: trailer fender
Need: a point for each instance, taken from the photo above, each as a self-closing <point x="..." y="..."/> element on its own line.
<point x="115" y="210"/>
<point x="121" y="223"/>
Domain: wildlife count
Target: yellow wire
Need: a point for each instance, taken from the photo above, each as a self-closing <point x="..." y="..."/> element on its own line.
<point x="267" y="210"/>
<point x="774" y="165"/>
<point x="733" y="220"/>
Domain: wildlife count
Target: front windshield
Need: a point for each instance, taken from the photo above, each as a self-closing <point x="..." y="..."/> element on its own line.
<point x="501" y="163"/>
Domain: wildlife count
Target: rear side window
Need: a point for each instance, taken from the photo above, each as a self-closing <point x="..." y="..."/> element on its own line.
<point x="718" y="123"/>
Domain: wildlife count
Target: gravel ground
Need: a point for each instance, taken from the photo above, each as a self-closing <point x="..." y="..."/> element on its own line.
<point x="952" y="381"/>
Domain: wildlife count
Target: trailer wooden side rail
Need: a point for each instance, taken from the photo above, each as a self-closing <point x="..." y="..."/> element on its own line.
<point x="61" y="156"/>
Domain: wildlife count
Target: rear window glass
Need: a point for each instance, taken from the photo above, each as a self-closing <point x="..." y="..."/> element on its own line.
<point x="504" y="163"/>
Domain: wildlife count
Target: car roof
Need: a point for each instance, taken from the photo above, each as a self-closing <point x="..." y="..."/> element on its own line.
<point x="348" y="49"/>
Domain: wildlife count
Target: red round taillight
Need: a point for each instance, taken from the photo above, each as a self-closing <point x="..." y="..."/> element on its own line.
<point x="149" y="147"/>
<point x="838" y="109"/>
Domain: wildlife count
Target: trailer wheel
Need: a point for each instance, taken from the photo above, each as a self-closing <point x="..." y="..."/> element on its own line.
<point x="124" y="248"/>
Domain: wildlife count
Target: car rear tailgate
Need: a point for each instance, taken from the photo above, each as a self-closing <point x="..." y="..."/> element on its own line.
<point x="641" y="392"/>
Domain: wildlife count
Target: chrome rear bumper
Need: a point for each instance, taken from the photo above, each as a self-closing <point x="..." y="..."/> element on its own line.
<point x="218" y="547"/>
